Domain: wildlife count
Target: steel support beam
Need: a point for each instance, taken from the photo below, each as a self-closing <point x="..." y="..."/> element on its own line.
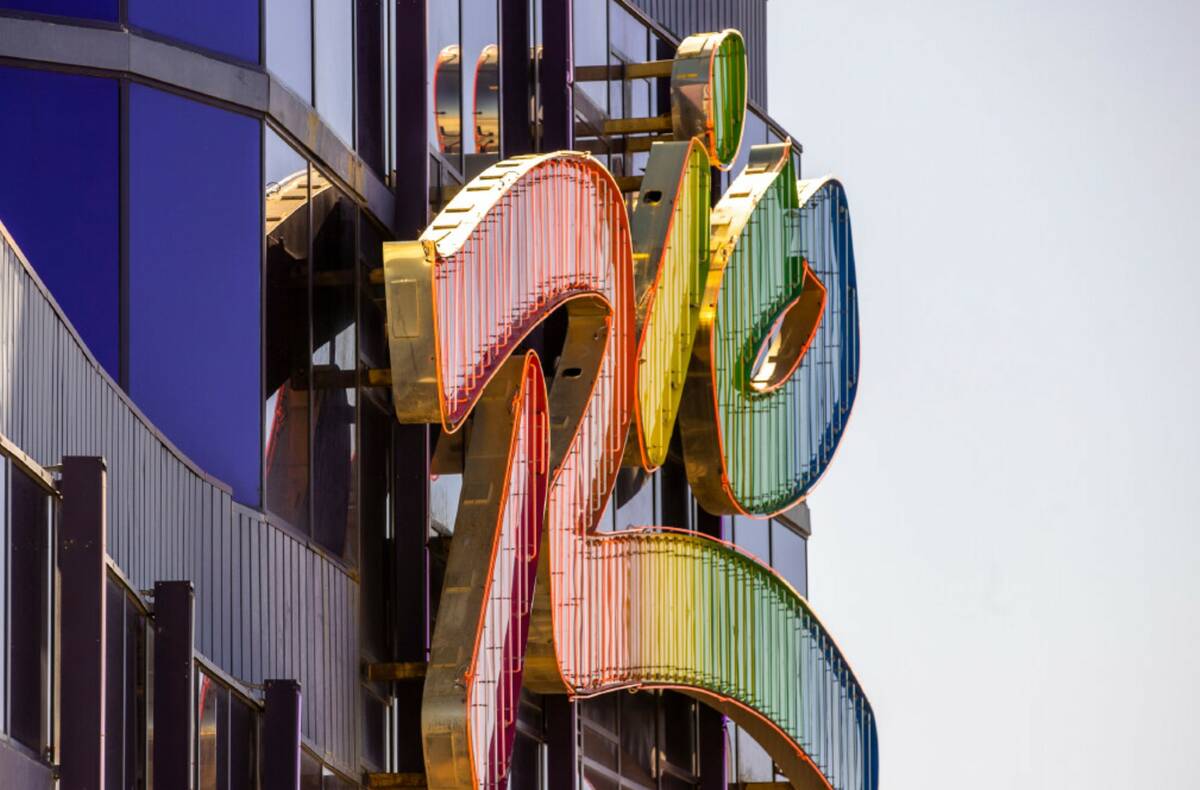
<point x="82" y="642"/>
<point x="174" y="686"/>
<point x="281" y="736"/>
<point x="558" y="106"/>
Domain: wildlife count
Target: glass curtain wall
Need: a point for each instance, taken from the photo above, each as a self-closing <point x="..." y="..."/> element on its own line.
<point x="336" y="55"/>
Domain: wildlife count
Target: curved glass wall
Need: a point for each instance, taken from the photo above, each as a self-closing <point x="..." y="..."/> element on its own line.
<point x="194" y="284"/>
<point x="61" y="195"/>
<point x="229" y="27"/>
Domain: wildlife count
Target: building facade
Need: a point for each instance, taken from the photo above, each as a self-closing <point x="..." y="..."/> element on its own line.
<point x="256" y="514"/>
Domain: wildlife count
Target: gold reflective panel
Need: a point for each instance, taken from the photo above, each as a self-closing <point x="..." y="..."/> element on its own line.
<point x="708" y="93"/>
<point x="670" y="241"/>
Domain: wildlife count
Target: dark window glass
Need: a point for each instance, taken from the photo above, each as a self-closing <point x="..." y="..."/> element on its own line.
<point x="525" y="773"/>
<point x="639" y="737"/>
<point x="114" y="692"/>
<point x="374" y="732"/>
<point x="286" y="391"/>
<point x="67" y="136"/>
<point x="29" y="596"/>
<point x="88" y="9"/>
<point x="678" y="729"/>
<point x="243" y="745"/>
<point x="789" y="555"/>
<point x="373" y="518"/>
<point x="136" y="701"/>
<point x="226" y="26"/>
<point x="370" y="82"/>
<point x="334" y="362"/>
<point x="289" y="44"/>
<point x="333" y="34"/>
<point x="195" y="250"/>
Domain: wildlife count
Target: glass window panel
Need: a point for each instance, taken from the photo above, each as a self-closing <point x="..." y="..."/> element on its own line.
<point x="243" y="738"/>
<point x="753" y="535"/>
<point x="481" y="85"/>
<point x="753" y="763"/>
<point x="286" y="394"/>
<point x="635" y="497"/>
<point x="789" y="555"/>
<point x="226" y="26"/>
<point x="590" y="20"/>
<point x="370" y="82"/>
<point x="601" y="710"/>
<point x="445" y="81"/>
<point x="374" y="730"/>
<point x="289" y="44"/>
<point x="67" y="133"/>
<point x="375" y="475"/>
<point x="310" y="772"/>
<point x="600" y="749"/>
<point x="29" y="596"/>
<point x="195" y="252"/>
<point x="639" y="737"/>
<point x="209" y="729"/>
<point x="334" y="72"/>
<point x="525" y="773"/>
<point x="595" y="780"/>
<point x="88" y="9"/>
<point x="754" y="132"/>
<point x="678" y="729"/>
<point x="334" y="362"/>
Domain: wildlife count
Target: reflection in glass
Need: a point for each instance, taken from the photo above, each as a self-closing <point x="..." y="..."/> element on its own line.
<point x="481" y="90"/>
<point x="370" y="82"/>
<point x="211" y="702"/>
<point x="334" y="362"/>
<point x="334" y="73"/>
<point x="445" y="79"/>
<point x="286" y="395"/>
<point x="289" y="44"/>
<point x="486" y="111"/>
<point x="447" y="82"/>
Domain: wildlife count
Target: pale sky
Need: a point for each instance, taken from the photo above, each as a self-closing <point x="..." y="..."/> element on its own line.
<point x="1007" y="545"/>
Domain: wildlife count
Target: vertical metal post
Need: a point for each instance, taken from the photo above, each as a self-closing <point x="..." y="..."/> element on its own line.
<point x="82" y="601"/>
<point x="711" y="743"/>
<point x="174" y="711"/>
<point x="281" y="736"/>
<point x="412" y="119"/>
<point x="410" y="582"/>
<point x="557" y="72"/>
<point x="516" y="84"/>
<point x="562" y="727"/>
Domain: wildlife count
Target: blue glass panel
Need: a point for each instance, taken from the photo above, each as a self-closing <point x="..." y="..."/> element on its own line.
<point x="226" y="26"/>
<point x="195" y="249"/>
<point x="88" y="9"/>
<point x="61" y="195"/>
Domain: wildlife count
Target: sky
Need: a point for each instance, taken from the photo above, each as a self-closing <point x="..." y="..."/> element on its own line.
<point x="1007" y="544"/>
